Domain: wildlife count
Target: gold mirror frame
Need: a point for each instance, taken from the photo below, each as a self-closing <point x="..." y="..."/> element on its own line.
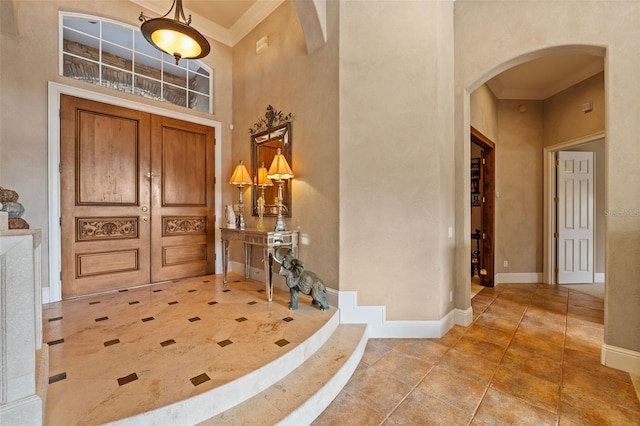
<point x="264" y="146"/>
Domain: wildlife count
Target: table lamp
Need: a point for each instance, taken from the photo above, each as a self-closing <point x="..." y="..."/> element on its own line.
<point x="262" y="182"/>
<point x="240" y="178"/>
<point x="280" y="171"/>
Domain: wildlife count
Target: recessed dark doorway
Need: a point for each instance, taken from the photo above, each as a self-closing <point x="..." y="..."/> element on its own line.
<point x="482" y="209"/>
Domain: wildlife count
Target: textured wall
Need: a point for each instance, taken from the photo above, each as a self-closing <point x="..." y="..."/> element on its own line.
<point x="289" y="79"/>
<point x="396" y="156"/>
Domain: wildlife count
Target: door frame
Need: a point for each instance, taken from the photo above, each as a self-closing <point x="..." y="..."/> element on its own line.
<point x="549" y="249"/>
<point x="53" y="293"/>
<point x="488" y="209"/>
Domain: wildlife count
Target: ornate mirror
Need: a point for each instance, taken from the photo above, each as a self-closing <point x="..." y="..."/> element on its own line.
<point x="267" y="137"/>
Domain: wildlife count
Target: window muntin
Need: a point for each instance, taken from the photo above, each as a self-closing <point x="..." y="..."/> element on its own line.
<point x="117" y="56"/>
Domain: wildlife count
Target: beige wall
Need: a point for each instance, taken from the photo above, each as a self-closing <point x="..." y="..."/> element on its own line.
<point x="396" y="153"/>
<point x="289" y="79"/>
<point x="520" y="29"/>
<point x="28" y="60"/>
<point x="519" y="179"/>
<point x="484" y="112"/>
<point x="563" y="116"/>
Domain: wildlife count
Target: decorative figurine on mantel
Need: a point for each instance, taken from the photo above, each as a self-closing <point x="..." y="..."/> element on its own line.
<point x="299" y="280"/>
<point x="230" y="215"/>
<point x="9" y="203"/>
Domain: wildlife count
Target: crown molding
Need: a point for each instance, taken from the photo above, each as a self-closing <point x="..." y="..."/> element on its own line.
<point x="251" y="18"/>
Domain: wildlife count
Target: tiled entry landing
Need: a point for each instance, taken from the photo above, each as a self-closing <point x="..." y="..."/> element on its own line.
<point x="119" y="354"/>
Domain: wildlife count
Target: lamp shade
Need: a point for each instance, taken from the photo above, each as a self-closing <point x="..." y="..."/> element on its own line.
<point x="175" y="37"/>
<point x="279" y="169"/>
<point x="240" y="176"/>
<point x="263" y="180"/>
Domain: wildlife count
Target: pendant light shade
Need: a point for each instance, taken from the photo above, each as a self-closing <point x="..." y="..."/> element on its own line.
<point x="173" y="36"/>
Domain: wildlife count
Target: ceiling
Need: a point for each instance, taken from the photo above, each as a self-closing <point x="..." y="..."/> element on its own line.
<point x="541" y="78"/>
<point x="228" y="21"/>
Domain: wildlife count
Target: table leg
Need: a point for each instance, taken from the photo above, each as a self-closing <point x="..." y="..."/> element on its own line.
<point x="269" y="274"/>
<point x="225" y="260"/>
<point x="247" y="261"/>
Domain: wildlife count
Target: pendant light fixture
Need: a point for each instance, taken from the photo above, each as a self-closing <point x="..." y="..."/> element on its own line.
<point x="173" y="36"/>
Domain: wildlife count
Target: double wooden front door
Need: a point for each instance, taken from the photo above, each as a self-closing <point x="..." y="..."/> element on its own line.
<point x="137" y="193"/>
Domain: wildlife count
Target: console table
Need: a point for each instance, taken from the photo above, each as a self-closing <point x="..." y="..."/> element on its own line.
<point x="270" y="241"/>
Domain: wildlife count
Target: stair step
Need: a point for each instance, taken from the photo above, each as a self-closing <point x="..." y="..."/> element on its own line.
<point x="303" y="394"/>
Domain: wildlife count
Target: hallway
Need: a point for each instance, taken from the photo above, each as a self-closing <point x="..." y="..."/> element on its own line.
<point x="531" y="357"/>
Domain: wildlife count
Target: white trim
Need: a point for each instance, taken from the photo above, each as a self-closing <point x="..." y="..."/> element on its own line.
<point x="519" y="278"/>
<point x="54" y="92"/>
<point x="620" y="358"/>
<point x="463" y="317"/>
<point x="45" y="295"/>
<point x="549" y="217"/>
<point x="598" y="277"/>
<point x="379" y="327"/>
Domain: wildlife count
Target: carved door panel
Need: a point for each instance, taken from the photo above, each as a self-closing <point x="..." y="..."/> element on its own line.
<point x="104" y="158"/>
<point x="137" y="196"/>
<point x="182" y="199"/>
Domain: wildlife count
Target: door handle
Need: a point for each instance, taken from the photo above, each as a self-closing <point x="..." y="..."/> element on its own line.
<point x="152" y="175"/>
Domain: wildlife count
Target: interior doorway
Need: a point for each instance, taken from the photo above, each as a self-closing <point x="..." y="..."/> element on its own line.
<point x="482" y="256"/>
<point x="137" y="198"/>
<point x="594" y="144"/>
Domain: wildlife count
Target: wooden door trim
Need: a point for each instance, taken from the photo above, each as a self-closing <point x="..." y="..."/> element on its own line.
<point x="488" y="210"/>
<point x="53" y="292"/>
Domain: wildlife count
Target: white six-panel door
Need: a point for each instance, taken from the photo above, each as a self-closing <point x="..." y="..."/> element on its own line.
<point x="575" y="217"/>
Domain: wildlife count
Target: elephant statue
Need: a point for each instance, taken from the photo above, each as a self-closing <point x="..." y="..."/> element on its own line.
<point x="299" y="280"/>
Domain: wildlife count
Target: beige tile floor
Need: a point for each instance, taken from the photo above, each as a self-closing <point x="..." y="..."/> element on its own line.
<point x="118" y="354"/>
<point x="531" y="357"/>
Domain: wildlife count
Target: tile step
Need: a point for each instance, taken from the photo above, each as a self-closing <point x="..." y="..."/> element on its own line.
<point x="303" y="394"/>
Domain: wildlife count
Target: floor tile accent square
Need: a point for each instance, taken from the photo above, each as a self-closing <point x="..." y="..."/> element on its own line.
<point x="55" y="342"/>
<point x="287" y="319"/>
<point x="213" y="302"/>
<point x="157" y="291"/>
<point x="123" y="290"/>
<point x="241" y="319"/>
<point x="206" y="281"/>
<point x="127" y="379"/>
<point x="192" y="291"/>
<point x="225" y="343"/>
<point x="55" y="319"/>
<point x="147" y="319"/>
<point x="173" y="303"/>
<point x="261" y="290"/>
<point x="58" y="377"/>
<point x="94" y="303"/>
<point x="226" y="290"/>
<point x="200" y="379"/>
<point x="167" y="342"/>
<point x="134" y="302"/>
<point x="282" y="342"/>
<point x="111" y="342"/>
<point x="253" y="302"/>
<point x="102" y="319"/>
<point x="194" y="319"/>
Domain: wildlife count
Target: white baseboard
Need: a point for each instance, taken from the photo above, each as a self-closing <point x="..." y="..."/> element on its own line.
<point x="463" y="317"/>
<point x="379" y="327"/>
<point x="519" y="278"/>
<point x="598" y="277"/>
<point x="620" y="358"/>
